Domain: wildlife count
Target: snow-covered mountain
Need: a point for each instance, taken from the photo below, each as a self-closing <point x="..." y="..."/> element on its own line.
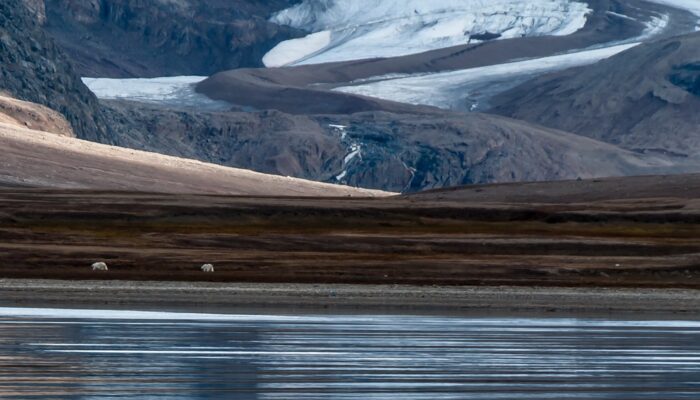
<point x="469" y="89"/>
<point x="343" y="30"/>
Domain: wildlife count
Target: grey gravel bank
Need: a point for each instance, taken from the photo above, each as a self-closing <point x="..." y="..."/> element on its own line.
<point x="225" y="297"/>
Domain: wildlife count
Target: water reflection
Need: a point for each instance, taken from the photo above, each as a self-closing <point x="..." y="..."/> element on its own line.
<point x="72" y="354"/>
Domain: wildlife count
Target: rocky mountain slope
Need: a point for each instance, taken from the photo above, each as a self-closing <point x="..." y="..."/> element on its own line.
<point x="458" y="77"/>
<point x="34" y="69"/>
<point x="624" y="189"/>
<point x="387" y="146"/>
<point x="40" y="159"/>
<point x="268" y="141"/>
<point x="135" y="38"/>
<point x="382" y="150"/>
<point x="645" y="99"/>
<point x="38" y="9"/>
<point x="33" y="116"/>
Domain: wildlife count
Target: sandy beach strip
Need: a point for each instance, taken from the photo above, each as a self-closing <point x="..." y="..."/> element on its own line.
<point x="226" y="297"/>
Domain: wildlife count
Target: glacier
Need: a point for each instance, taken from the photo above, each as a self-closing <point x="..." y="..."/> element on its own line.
<point x="465" y="89"/>
<point x="175" y="91"/>
<point x="470" y="89"/>
<point x="344" y="30"/>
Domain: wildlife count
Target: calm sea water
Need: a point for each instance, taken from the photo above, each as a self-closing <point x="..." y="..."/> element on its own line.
<point x="79" y="354"/>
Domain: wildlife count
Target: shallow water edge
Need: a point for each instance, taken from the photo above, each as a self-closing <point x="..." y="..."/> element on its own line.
<point x="350" y="299"/>
<point x="96" y="354"/>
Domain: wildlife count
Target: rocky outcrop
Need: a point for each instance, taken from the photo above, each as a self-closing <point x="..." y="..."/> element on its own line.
<point x="380" y="150"/>
<point x="33" y="116"/>
<point x="268" y="141"/>
<point x="645" y="99"/>
<point x="687" y="77"/>
<point x="410" y="153"/>
<point x="387" y="147"/>
<point x="138" y="38"/>
<point x="38" y="8"/>
<point x="33" y="68"/>
<point x="45" y="160"/>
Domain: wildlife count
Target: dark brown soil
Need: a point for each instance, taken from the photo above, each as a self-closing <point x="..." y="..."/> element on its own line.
<point x="647" y="241"/>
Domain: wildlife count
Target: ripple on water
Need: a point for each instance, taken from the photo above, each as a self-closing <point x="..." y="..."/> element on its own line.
<point x="118" y="354"/>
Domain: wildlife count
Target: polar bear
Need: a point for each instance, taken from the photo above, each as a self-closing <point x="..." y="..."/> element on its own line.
<point x="207" y="268"/>
<point x="99" y="266"/>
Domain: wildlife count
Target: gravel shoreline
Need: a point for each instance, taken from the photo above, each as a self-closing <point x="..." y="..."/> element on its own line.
<point x="222" y="297"/>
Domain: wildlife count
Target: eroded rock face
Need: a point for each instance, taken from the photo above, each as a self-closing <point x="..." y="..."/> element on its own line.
<point x="148" y="38"/>
<point x="380" y="150"/>
<point x="268" y="141"/>
<point x="38" y="8"/>
<point x="687" y="77"/>
<point x="84" y="12"/>
<point x="34" y="69"/>
<point x="33" y="116"/>
<point x="645" y="99"/>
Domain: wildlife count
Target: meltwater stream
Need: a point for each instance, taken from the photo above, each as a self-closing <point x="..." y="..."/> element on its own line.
<point x="52" y="354"/>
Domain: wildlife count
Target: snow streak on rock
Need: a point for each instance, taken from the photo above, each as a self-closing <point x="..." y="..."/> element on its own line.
<point x="345" y="30"/>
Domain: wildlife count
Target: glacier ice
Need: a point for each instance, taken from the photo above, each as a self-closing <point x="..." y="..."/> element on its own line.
<point x="140" y="88"/>
<point x="293" y="49"/>
<point x="177" y="91"/>
<point x="449" y="89"/>
<point x="470" y="89"/>
<point x="343" y="30"/>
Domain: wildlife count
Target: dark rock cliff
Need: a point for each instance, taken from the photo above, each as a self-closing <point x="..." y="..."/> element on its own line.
<point x="33" y="68"/>
<point x="148" y="38"/>
<point x="645" y="99"/>
<point x="381" y="150"/>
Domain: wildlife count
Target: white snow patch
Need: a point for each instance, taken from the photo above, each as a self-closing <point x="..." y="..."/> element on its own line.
<point x="623" y="16"/>
<point x="341" y="176"/>
<point x="355" y="151"/>
<point x="654" y="27"/>
<point x="344" y="30"/>
<point x="146" y="88"/>
<point x="290" y="51"/>
<point x="340" y="128"/>
<point x="412" y="171"/>
<point x="176" y="91"/>
<point x="441" y="89"/>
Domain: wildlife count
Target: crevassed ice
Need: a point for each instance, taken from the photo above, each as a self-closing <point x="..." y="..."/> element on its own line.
<point x="466" y="88"/>
<point x="345" y="30"/>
